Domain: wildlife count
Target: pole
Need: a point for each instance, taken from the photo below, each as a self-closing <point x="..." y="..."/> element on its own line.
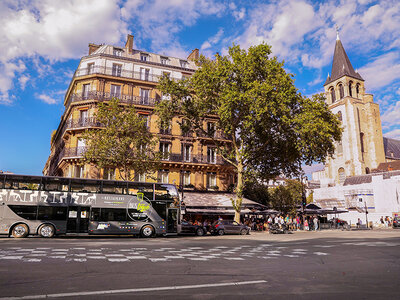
<point x="366" y="212"/>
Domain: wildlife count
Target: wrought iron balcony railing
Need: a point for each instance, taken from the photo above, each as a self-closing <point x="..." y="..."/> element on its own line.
<point x="82" y="123"/>
<point x="120" y="72"/>
<point x="103" y="96"/>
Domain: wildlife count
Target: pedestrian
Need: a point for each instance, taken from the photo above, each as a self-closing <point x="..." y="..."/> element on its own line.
<point x="315" y="223"/>
<point x="359" y="223"/>
<point x="306" y="225"/>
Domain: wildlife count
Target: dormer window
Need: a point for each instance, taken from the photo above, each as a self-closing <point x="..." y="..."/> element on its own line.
<point x="117" y="52"/>
<point x="184" y="63"/>
<point x="164" y="60"/>
<point x="144" y="57"/>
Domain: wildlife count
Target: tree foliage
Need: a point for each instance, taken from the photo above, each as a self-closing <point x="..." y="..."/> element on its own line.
<point x="286" y="198"/>
<point x="124" y="143"/>
<point x="272" y="127"/>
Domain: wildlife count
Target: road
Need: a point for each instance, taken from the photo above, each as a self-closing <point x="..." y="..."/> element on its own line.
<point x="321" y="265"/>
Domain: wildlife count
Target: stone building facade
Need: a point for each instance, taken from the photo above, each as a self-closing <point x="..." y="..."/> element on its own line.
<point x="361" y="149"/>
<point x="132" y="75"/>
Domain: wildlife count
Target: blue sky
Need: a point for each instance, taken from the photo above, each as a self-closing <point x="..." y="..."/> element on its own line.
<point x="41" y="43"/>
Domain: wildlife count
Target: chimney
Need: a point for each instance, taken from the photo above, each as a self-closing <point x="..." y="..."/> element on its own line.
<point x="93" y="47"/>
<point x="129" y="43"/>
<point x="194" y="55"/>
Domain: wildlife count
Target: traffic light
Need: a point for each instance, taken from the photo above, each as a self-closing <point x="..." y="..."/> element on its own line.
<point x="303" y="200"/>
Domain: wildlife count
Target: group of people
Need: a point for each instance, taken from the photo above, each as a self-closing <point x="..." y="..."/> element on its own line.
<point x="387" y="221"/>
<point x="290" y="222"/>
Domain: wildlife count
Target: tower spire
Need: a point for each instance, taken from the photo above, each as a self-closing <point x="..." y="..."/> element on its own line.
<point x="337" y="33"/>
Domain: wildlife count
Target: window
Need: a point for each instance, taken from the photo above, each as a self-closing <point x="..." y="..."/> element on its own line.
<point x="168" y="74"/>
<point x="211" y="179"/>
<point x="27" y="212"/>
<point x="163" y="176"/>
<point x="146" y="118"/>
<point x="115" y="91"/>
<point x="165" y="128"/>
<point x="186" y="178"/>
<point x="333" y="96"/>
<point x="144" y="96"/>
<point x="164" y="150"/>
<point x="79" y="171"/>
<point x="52" y="213"/>
<point x="341" y="91"/>
<point x="351" y="89"/>
<point x="362" y="142"/>
<point x="367" y="171"/>
<point x="83" y="117"/>
<point x="81" y="147"/>
<point x="358" y="90"/>
<point x="140" y="177"/>
<point x="339" y="148"/>
<point x="117" y="52"/>
<point x="164" y="60"/>
<point x="90" y="68"/>
<point x="144" y="74"/>
<point x="183" y="63"/>
<point x="85" y="91"/>
<point x="342" y="175"/>
<point x="144" y="57"/>
<point x="211" y="155"/>
<point x="210" y="128"/>
<point x="339" y="114"/>
<point x="187" y="152"/>
<point x="113" y="214"/>
<point x="108" y="174"/>
<point x="116" y="70"/>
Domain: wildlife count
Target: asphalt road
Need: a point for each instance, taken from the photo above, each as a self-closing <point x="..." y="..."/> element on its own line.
<point x="348" y="265"/>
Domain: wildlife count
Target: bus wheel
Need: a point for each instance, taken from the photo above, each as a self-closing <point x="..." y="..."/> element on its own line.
<point x="147" y="231"/>
<point x="20" y="231"/>
<point x="46" y="231"/>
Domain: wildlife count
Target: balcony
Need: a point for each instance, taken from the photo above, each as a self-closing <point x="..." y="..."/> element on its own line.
<point x="217" y="135"/>
<point x="196" y="159"/>
<point x="117" y="72"/>
<point x="103" y="96"/>
<point x="73" y="152"/>
<point x="82" y="123"/>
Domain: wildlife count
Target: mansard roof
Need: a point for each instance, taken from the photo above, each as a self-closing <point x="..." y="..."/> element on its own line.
<point x="341" y="65"/>
<point x="392" y="148"/>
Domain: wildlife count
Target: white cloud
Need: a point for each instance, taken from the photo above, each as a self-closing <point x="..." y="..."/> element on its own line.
<point x="46" y="99"/>
<point x="212" y="40"/>
<point x="382" y="71"/>
<point x="238" y="13"/>
<point x="23" y="79"/>
<point x="391" y="116"/>
<point x="394" y="134"/>
<point x="54" y="30"/>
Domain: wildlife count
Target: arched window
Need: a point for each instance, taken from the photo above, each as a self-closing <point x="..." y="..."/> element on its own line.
<point x="342" y="175"/>
<point x="358" y="90"/>
<point x="367" y="171"/>
<point x="362" y="141"/>
<point x="341" y="91"/>
<point x="350" y="89"/>
<point x="339" y="115"/>
<point x="333" y="96"/>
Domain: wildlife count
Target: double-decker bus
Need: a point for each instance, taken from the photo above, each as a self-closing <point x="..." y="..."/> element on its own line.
<point x="49" y="206"/>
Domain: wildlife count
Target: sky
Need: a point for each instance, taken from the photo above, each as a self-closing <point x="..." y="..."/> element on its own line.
<point x="41" y="43"/>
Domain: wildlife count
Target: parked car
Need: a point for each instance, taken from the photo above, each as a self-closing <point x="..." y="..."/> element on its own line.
<point x="229" y="227"/>
<point x="396" y="222"/>
<point x="189" y="228"/>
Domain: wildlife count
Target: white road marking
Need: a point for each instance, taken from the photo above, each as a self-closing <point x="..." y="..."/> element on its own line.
<point x="150" y="289"/>
<point x="114" y="255"/>
<point x="11" y="257"/>
<point x="173" y="257"/>
<point x="198" y="258"/>
<point x="291" y="255"/>
<point x="57" y="256"/>
<point x="320" y="253"/>
<point x="96" y="257"/>
<point x="136" y="257"/>
<point x="234" y="258"/>
<point x="118" y="259"/>
<point x="32" y="260"/>
<point x="158" y="259"/>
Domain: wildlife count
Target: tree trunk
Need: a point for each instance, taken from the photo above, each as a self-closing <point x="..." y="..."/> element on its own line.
<point x="239" y="188"/>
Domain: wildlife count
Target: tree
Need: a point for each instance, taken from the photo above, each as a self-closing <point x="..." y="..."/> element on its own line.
<point x="257" y="192"/>
<point x="124" y="142"/>
<point x="286" y="198"/>
<point x="272" y="127"/>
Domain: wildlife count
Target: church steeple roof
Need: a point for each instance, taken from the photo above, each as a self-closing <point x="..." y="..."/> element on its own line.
<point x="341" y="65"/>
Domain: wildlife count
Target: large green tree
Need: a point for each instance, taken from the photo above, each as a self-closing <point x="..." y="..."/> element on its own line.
<point x="122" y="143"/>
<point x="272" y="127"/>
<point x="286" y="198"/>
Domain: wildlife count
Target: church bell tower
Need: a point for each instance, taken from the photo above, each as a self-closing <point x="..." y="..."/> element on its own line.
<point x="361" y="148"/>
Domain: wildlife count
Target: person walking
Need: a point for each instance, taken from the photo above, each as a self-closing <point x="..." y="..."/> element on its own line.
<point x="315" y="223"/>
<point x="306" y="225"/>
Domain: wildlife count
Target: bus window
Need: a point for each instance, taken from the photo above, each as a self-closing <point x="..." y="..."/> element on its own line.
<point x="113" y="214"/>
<point x="114" y="187"/>
<point x="166" y="192"/>
<point x="85" y="186"/>
<point x="52" y="213"/>
<point x="146" y="189"/>
<point x="24" y="183"/>
<point x="27" y="212"/>
<point x="161" y="208"/>
<point x="55" y="184"/>
<point x="95" y="214"/>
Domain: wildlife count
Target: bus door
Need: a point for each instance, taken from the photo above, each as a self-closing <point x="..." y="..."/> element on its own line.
<point x="78" y="219"/>
<point x="172" y="220"/>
